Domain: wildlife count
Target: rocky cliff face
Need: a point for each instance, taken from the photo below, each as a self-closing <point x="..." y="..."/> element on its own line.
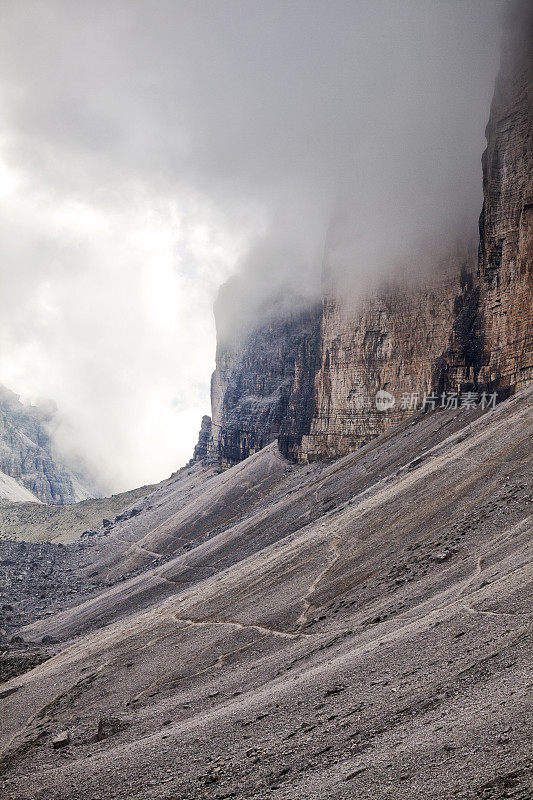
<point x="26" y="454"/>
<point x="261" y="387"/>
<point x="311" y="380"/>
<point x="506" y="222"/>
<point x="392" y="341"/>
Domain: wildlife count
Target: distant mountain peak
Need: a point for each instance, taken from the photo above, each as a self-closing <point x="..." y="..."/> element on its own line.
<point x="30" y="469"/>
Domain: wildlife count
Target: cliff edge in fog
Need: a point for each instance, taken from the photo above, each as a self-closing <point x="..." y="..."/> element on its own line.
<point x="310" y="378"/>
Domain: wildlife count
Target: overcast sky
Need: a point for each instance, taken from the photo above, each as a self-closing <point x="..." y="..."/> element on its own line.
<point x="149" y="150"/>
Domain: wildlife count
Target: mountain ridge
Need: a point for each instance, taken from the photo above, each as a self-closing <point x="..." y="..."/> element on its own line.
<point x="28" y="456"/>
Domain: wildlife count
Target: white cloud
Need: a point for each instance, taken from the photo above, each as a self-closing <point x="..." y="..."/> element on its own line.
<point x="151" y="149"/>
<point x="114" y="321"/>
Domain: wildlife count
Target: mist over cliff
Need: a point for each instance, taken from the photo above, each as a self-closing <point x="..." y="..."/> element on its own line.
<point x="414" y="313"/>
<point x="332" y="597"/>
<point x="374" y="166"/>
<point x="148" y="157"/>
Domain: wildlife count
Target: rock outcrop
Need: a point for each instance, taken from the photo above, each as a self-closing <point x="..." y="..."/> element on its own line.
<point x="204" y="440"/>
<point x="311" y="379"/>
<point x="28" y="457"/>
<point x="506" y="222"/>
<point x="261" y="387"/>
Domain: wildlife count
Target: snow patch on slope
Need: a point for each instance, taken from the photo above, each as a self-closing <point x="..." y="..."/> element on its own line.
<point x="11" y="490"/>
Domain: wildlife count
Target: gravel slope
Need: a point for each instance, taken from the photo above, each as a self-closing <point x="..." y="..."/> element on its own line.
<point x="357" y="629"/>
<point x="36" y="522"/>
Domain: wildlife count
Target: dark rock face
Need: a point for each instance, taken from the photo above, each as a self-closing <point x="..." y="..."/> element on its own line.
<point x="204" y="439"/>
<point x="459" y="366"/>
<point x="26" y="453"/>
<point x="261" y="388"/>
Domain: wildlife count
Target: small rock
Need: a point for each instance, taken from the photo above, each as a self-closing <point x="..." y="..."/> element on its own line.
<point x="439" y="558"/>
<point x="354" y="774"/>
<point x="61" y="740"/>
<point x="7" y="692"/>
<point x="108" y="726"/>
<point x="334" y="690"/>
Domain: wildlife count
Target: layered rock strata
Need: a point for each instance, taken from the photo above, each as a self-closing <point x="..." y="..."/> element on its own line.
<point x="506" y="222"/>
<point x="390" y="342"/>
